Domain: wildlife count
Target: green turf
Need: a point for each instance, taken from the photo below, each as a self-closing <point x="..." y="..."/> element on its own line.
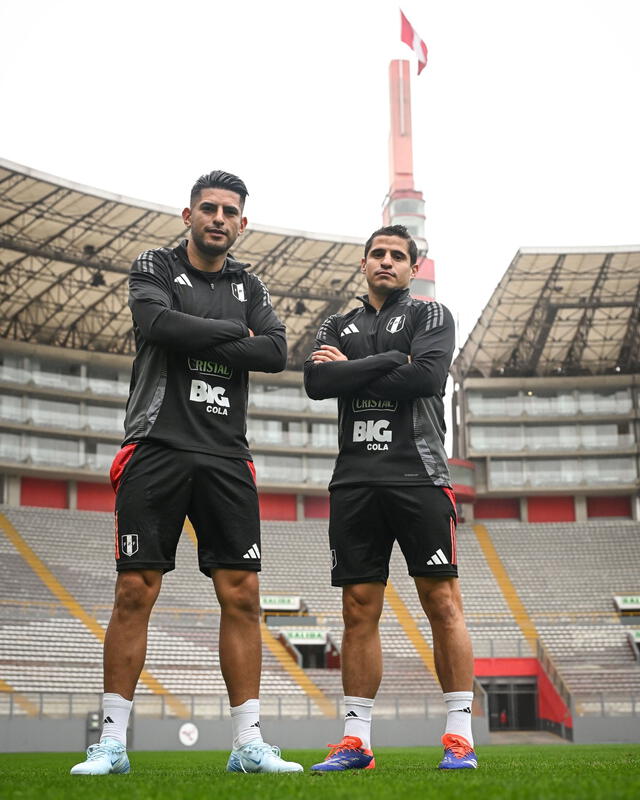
<point x="547" y="772"/>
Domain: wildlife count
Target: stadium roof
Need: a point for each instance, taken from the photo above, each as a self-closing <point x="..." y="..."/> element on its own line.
<point x="559" y="311"/>
<point x="66" y="249"/>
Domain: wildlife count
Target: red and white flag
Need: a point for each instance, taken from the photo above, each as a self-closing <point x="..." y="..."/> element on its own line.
<point x="410" y="37"/>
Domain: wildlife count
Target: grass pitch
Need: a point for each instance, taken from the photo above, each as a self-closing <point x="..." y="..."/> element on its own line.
<point x="584" y="772"/>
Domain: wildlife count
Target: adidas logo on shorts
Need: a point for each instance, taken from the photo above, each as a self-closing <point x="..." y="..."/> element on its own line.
<point x="437" y="558"/>
<point x="252" y="552"/>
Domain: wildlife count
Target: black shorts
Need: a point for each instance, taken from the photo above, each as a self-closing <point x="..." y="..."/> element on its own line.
<point x="157" y="487"/>
<point x="366" y="520"/>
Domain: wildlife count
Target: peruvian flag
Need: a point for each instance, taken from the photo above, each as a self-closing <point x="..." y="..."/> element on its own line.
<point x="410" y="37"/>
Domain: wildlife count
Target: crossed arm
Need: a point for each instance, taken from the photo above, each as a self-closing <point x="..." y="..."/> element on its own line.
<point x="328" y="372"/>
<point x="387" y="376"/>
<point x="260" y="347"/>
<point x="263" y="351"/>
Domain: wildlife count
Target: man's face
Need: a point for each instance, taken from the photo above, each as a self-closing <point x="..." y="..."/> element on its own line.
<point x="388" y="265"/>
<point x="215" y="220"/>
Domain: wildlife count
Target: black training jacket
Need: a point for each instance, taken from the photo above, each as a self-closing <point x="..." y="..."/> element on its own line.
<point x="189" y="381"/>
<point x="390" y="411"/>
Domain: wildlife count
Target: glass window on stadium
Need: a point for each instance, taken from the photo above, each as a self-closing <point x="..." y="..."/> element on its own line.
<point x="549" y="403"/>
<point x="319" y="470"/>
<point x="12" y="369"/>
<point x="328" y="406"/>
<point x="514" y="438"/>
<point x="324" y="434"/>
<point x="10" y="447"/>
<point x="49" y="450"/>
<point x="103" y="380"/>
<point x="611" y="471"/>
<point x="54" y="413"/>
<point x="105" y="418"/>
<point x="508" y="403"/>
<point x="551" y="437"/>
<point x="265" y="431"/>
<point x="297" y="434"/>
<point x="605" y="401"/>
<point x="492" y="438"/>
<point x="278" y="469"/>
<point x="605" y="435"/>
<point x="550" y="472"/>
<point x="11" y="408"/>
<point x="505" y="474"/>
<point x="58" y="374"/>
<point x="279" y="397"/>
<point x="99" y="456"/>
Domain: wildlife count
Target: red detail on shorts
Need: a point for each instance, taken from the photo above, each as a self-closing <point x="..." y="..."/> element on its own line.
<point x="119" y="463"/>
<point x="454" y="544"/>
<point x="452" y="496"/>
<point x="252" y="470"/>
<point x="453" y="521"/>
<point x="116" y="531"/>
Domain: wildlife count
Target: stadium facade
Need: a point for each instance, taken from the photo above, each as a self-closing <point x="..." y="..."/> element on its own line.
<point x="545" y="416"/>
<point x="546" y="395"/>
<point x="66" y="345"/>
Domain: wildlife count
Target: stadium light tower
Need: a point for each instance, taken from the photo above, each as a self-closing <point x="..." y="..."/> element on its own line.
<point x="404" y="204"/>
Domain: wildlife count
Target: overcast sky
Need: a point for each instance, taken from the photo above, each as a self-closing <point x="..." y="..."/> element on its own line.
<point x="526" y="119"/>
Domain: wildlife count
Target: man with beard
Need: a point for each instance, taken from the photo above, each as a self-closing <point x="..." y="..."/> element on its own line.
<point x="387" y="363"/>
<point x="201" y="322"/>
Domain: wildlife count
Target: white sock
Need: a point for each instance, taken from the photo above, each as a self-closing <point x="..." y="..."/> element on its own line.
<point x="459" y="714"/>
<point x="116" y="712"/>
<point x="245" y="723"/>
<point x="357" y="718"/>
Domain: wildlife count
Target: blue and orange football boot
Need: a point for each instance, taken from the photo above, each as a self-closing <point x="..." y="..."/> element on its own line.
<point x="348" y="754"/>
<point x="458" y="753"/>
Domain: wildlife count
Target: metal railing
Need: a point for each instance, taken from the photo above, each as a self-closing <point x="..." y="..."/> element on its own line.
<point x="554" y="676"/>
<point x="72" y="705"/>
<point x="606" y="704"/>
<point x="76" y="705"/>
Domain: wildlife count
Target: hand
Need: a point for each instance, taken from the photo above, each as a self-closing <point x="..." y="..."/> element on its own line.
<point x="251" y="333"/>
<point x="327" y="353"/>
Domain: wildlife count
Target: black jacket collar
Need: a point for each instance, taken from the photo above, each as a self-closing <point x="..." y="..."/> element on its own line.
<point x="395" y="296"/>
<point x="230" y="264"/>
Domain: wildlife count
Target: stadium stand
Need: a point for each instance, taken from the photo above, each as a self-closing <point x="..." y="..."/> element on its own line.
<point x="296" y="561"/>
<point x="492" y="627"/>
<point x="45" y="648"/>
<point x="566" y="575"/>
<point x="182" y="653"/>
<point x="62" y="654"/>
<point x="546" y="409"/>
<point x="545" y="388"/>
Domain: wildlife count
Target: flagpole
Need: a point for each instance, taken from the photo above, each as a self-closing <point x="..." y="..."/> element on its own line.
<point x="404" y="204"/>
<point x="403" y="130"/>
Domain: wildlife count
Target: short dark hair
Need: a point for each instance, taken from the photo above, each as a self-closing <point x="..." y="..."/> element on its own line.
<point x="394" y="230"/>
<point x="219" y="180"/>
